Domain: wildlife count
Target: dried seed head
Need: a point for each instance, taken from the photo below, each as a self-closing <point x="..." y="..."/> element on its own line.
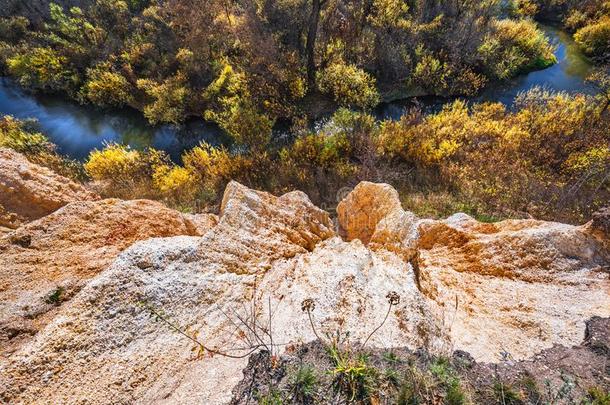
<point x="308" y="305"/>
<point x="393" y="298"/>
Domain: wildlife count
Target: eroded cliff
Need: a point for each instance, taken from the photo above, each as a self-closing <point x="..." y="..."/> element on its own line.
<point x="515" y="287"/>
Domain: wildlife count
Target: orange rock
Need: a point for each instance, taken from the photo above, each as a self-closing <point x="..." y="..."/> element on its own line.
<point x="59" y="253"/>
<point x="29" y="191"/>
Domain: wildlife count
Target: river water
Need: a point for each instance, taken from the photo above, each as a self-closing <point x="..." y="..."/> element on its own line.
<point x="78" y="129"/>
<point x="568" y="74"/>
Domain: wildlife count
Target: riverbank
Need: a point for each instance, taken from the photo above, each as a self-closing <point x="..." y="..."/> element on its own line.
<point x="548" y="157"/>
<point x="78" y="129"/>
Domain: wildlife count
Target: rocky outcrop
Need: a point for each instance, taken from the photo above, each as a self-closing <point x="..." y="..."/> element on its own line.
<point x="372" y="213"/>
<point x="29" y="191"/>
<point x="507" y="289"/>
<point x="517" y="286"/>
<point x="194" y="281"/>
<point x="599" y="226"/>
<point x="46" y="262"/>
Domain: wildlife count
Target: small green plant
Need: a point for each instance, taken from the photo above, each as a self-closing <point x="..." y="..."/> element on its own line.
<point x="352" y="375"/>
<point x="392" y="377"/>
<point x="505" y="394"/>
<point x="391" y="357"/>
<point x="391" y="374"/>
<point x="56" y="297"/>
<point x="441" y="369"/>
<point x="455" y="394"/>
<point x="530" y="388"/>
<point x="598" y="396"/>
<point x="273" y="397"/>
<point x="416" y="388"/>
<point x="304" y="385"/>
<point x="563" y="393"/>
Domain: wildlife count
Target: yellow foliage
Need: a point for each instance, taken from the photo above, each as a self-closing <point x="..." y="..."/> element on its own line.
<point x="169" y="179"/>
<point x="594" y="159"/>
<point x="113" y="161"/>
<point x="209" y="163"/>
<point x="349" y="85"/>
<point x="594" y="39"/>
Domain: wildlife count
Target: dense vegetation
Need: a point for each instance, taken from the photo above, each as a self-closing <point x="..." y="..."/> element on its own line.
<point x="588" y="20"/>
<point x="549" y="157"/>
<point x="245" y="64"/>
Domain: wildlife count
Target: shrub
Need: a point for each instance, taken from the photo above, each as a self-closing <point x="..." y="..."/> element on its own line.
<point x="232" y="107"/>
<point x="42" y="68"/>
<point x="599" y="396"/>
<point x="56" y="297"/>
<point x="175" y="183"/>
<point x="430" y="73"/>
<point x="106" y="88"/>
<point x="349" y="85"/>
<point x="449" y="380"/>
<point x="506" y="394"/>
<point x="513" y="47"/>
<point x="594" y="39"/>
<point x="246" y="125"/>
<point x="112" y="162"/>
<point x="125" y="173"/>
<point x="169" y="99"/>
<point x="214" y="168"/>
<point x="304" y="384"/>
<point x="317" y="163"/>
<point x="17" y="135"/>
<point x="352" y="376"/>
<point x="575" y="20"/>
<point x="552" y="149"/>
<point x="524" y="8"/>
<point x="273" y="397"/>
<point x="13" y="29"/>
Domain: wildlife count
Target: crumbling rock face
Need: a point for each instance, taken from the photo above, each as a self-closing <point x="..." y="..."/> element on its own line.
<point x="202" y="222"/>
<point x="515" y="287"/>
<point x="256" y="228"/>
<point x="349" y="284"/>
<point x="29" y="191"/>
<point x="45" y="262"/>
<point x="373" y="214"/>
<point x="195" y="281"/>
<point x="573" y="369"/>
<point x="600" y="224"/>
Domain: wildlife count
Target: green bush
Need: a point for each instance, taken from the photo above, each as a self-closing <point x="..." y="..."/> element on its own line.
<point x="42" y="68"/>
<point x="169" y="99"/>
<point x="107" y="88"/>
<point x="233" y="108"/>
<point x="349" y="85"/>
<point x="125" y="173"/>
<point x="594" y="39"/>
<point x="13" y="29"/>
<point x="514" y="47"/>
<point x="24" y="137"/>
<point x="304" y="384"/>
<point x="20" y="136"/>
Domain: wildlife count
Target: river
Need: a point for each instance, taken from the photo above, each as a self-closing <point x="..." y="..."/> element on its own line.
<point x="568" y="74"/>
<point x="78" y="129"/>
